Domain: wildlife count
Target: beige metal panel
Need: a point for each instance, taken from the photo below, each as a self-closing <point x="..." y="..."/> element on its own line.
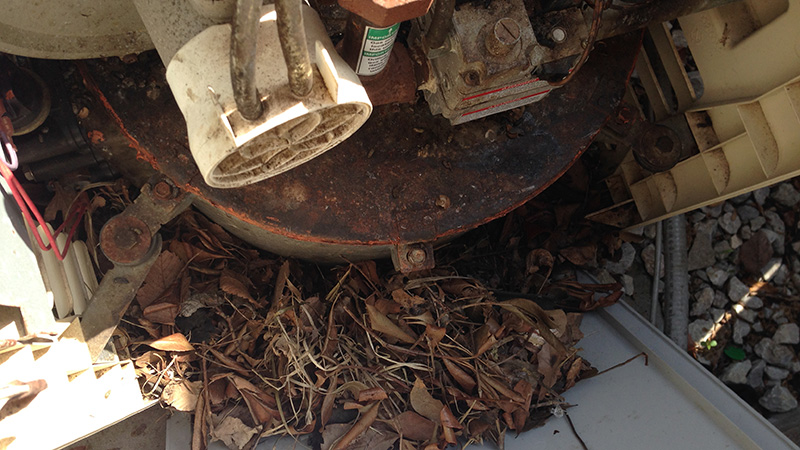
<point x="746" y="125"/>
<point x="71" y="29"/>
<point x="761" y="61"/>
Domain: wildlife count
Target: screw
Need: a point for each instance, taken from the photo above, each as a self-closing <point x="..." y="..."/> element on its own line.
<point x="162" y="190"/>
<point x="416" y="256"/>
<point x="507" y="31"/>
<point x="559" y="34"/>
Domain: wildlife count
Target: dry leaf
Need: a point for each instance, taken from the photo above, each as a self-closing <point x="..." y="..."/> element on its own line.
<point x="384" y="325"/>
<point x="424" y="403"/>
<point x="580" y="256"/>
<point x="537" y="260"/>
<point x="60" y="203"/>
<point x="232" y="284"/>
<point x="755" y="253"/>
<point x="461" y="377"/>
<point x="448" y="419"/>
<point x="573" y="372"/>
<point x="405" y="299"/>
<point x="182" y="395"/>
<point x="547" y="366"/>
<point x="434" y="334"/>
<point x="161" y="313"/>
<point x="368" y="416"/>
<point x="162" y="275"/>
<point x="173" y="343"/>
<point x="371" y="395"/>
<point x="413" y="426"/>
<point x="233" y="432"/>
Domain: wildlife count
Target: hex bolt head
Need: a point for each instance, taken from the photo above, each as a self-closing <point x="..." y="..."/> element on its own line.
<point x="162" y="190"/>
<point x="416" y="256"/>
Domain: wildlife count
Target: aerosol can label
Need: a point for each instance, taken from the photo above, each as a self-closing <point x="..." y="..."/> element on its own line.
<point x="376" y="46"/>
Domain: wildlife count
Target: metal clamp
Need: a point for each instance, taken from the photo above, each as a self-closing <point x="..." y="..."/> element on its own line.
<point x="131" y="242"/>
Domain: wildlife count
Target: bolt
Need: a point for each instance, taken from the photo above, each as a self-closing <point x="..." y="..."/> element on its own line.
<point x="472" y="78"/>
<point x="416" y="256"/>
<point x="559" y="34"/>
<point x="507" y="31"/>
<point x="121" y="280"/>
<point x="162" y="190"/>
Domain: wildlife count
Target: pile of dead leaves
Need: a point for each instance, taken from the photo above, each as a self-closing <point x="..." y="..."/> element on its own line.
<point x="255" y="347"/>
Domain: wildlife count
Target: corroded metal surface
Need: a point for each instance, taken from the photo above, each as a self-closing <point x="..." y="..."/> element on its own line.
<point x="385" y="185"/>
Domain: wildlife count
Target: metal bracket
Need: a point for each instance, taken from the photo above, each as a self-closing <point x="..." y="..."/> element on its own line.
<point x="409" y="258"/>
<point x="131" y="242"/>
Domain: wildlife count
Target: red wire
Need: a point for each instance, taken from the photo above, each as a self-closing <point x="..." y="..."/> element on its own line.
<point x="27" y="207"/>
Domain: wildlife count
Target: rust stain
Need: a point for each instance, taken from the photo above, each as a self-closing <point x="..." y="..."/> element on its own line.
<point x="141" y="152"/>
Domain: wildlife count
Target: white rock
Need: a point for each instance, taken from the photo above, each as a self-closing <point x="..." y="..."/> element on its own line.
<point x="788" y="333"/>
<point x="730" y="222"/>
<point x="760" y="195"/>
<point x="736" y="373"/>
<point x="627" y="284"/>
<point x="650" y="231"/>
<point x="745" y="232"/>
<point x="723" y="250"/>
<point x="740" y="330"/>
<point x="778" y="399"/>
<point x="649" y="257"/>
<point x="757" y="327"/>
<point x="781" y="276"/>
<point x="625" y="260"/>
<point x="747" y="314"/>
<point x="796" y="246"/>
<point x="776" y="373"/>
<point x="786" y="195"/>
<point x="716" y="314"/>
<point x="757" y="223"/>
<point x="698" y="330"/>
<point x="752" y="302"/>
<point x="747" y="213"/>
<point x="775" y="221"/>
<point x="720" y="299"/>
<point x="755" y="379"/>
<point x="775" y="354"/>
<point x="781" y="320"/>
<point x="737" y="290"/>
<point x="703" y="301"/>
<point x="736" y="242"/>
<point x="713" y="210"/>
<point x="717" y="276"/>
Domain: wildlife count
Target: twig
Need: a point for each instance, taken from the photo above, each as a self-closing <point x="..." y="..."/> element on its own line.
<point x="574" y="431"/>
<point x="646" y="362"/>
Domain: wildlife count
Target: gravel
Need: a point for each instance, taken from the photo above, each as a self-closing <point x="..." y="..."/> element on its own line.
<point x="778" y="399"/>
<point x="788" y="333"/>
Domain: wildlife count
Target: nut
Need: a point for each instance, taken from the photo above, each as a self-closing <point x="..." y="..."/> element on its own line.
<point x="162" y="190"/>
<point x="384" y="13"/>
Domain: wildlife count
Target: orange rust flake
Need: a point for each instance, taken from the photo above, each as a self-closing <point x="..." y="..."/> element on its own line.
<point x="96" y="136"/>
